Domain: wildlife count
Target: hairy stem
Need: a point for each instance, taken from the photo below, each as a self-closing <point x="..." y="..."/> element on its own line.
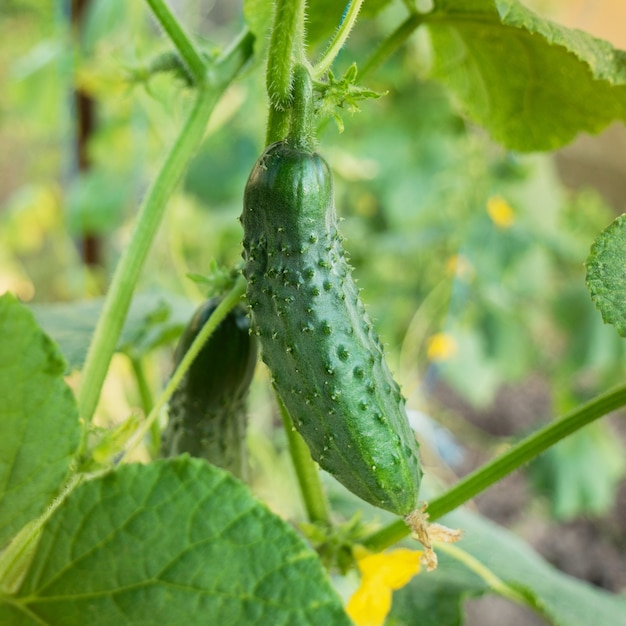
<point x="303" y="115"/>
<point x="493" y="471"/>
<point x="278" y="124"/>
<point x="288" y="19"/>
<point x="286" y="47"/>
<point x="338" y="41"/>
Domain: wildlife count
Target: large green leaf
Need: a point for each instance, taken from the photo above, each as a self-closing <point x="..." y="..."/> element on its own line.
<point x="38" y="419"/>
<point x="172" y="542"/>
<point x="606" y="274"/>
<point x="532" y="83"/>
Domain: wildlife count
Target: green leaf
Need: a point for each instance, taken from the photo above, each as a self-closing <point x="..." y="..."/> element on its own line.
<point x="606" y="274"/>
<point x="153" y="319"/>
<point x="532" y="83"/>
<point x="561" y="599"/>
<point x="38" y="419"/>
<point x="604" y="61"/>
<point x="173" y="542"/>
<point x="12" y="615"/>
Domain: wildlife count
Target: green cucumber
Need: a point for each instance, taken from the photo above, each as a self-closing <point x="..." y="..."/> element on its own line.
<point x="326" y="361"/>
<point x="207" y="411"/>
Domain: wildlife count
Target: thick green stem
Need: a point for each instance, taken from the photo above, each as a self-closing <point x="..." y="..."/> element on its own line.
<point x="230" y="300"/>
<point x="306" y="471"/>
<point x="302" y="113"/>
<point x="286" y="47"/>
<point x="190" y="55"/>
<point x="127" y="272"/>
<point x="288" y="16"/>
<point x="501" y="466"/>
<point x="118" y="299"/>
<point x="392" y="43"/>
<point x="278" y="123"/>
<point x="338" y="41"/>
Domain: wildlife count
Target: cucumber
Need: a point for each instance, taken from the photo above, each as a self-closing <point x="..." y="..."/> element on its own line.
<point x="207" y="411"/>
<point x="326" y="361"/>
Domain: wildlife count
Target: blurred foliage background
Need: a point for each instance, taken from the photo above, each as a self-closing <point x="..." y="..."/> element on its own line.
<point x="471" y="258"/>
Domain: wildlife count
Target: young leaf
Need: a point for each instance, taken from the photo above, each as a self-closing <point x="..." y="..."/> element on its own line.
<point x="173" y="542"/>
<point x="532" y="83"/>
<point x="606" y="275"/>
<point x="38" y="419"/>
<point x="342" y="93"/>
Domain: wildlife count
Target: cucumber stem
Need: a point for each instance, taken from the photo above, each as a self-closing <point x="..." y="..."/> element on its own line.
<point x="277" y="125"/>
<point x="301" y="132"/>
<point x="288" y="15"/>
<point x="285" y="49"/>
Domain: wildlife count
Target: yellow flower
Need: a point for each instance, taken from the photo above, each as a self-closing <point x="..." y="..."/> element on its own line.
<point x="441" y="347"/>
<point x="381" y="574"/>
<point x="500" y="212"/>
